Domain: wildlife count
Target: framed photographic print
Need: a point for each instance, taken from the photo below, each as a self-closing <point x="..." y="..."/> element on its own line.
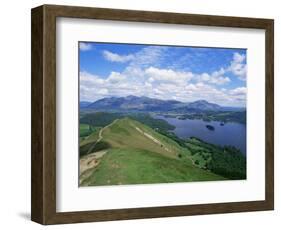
<point x="141" y="114"/>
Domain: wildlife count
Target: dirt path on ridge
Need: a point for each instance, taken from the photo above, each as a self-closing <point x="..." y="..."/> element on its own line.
<point x="100" y="136"/>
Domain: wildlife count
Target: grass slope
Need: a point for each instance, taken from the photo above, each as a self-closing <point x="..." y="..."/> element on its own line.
<point x="138" y="154"/>
<point x="85" y="130"/>
<point x="226" y="161"/>
<point x="128" y="133"/>
<point x="138" y="166"/>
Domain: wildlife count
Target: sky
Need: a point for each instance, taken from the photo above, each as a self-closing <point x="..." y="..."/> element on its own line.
<point x="186" y="74"/>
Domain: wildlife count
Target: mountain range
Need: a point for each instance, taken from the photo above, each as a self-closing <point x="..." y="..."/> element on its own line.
<point x="146" y="104"/>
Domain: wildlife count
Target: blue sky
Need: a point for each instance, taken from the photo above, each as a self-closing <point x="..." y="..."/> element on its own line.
<point x="186" y="74"/>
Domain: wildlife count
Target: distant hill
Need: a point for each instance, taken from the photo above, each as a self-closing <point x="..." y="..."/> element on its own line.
<point x="203" y="105"/>
<point x="84" y="104"/>
<point x="135" y="153"/>
<point x="146" y="104"/>
<point x="134" y="103"/>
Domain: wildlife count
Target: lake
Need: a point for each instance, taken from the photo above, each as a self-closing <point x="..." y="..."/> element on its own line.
<point x="230" y="134"/>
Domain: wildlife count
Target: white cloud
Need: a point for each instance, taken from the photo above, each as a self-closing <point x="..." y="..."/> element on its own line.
<point x="158" y="91"/>
<point x="149" y="56"/>
<point x="85" y="46"/>
<point x="167" y="75"/>
<point x="220" y="80"/>
<point x="102" y="92"/>
<point x="238" y="57"/>
<point x="216" y="78"/>
<point x="238" y="91"/>
<point x="238" y="95"/>
<point x="93" y="87"/>
<point x="113" y="57"/>
<point x="238" y="67"/>
<point x="118" y="84"/>
<point x="90" y="79"/>
<point x="145" y="76"/>
<point x="204" y="77"/>
<point x="115" y="77"/>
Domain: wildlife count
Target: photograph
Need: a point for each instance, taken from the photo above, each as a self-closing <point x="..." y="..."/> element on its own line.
<point x="141" y="114"/>
<point x="161" y="114"/>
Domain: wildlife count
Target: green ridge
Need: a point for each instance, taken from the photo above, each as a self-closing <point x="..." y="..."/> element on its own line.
<point x="137" y="154"/>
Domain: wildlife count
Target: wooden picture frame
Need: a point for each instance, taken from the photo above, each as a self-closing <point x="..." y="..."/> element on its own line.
<point x="43" y="207"/>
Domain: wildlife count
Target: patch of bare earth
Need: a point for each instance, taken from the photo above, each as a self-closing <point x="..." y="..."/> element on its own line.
<point x="89" y="161"/>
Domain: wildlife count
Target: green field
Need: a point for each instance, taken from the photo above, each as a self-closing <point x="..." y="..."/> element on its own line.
<point x="85" y="130"/>
<point x="134" y="153"/>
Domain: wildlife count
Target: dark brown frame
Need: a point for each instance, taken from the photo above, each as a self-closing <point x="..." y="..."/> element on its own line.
<point x="43" y="188"/>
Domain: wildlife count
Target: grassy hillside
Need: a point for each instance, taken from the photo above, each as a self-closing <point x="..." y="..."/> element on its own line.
<point x="85" y="130"/>
<point x="137" y="166"/>
<point x="127" y="133"/>
<point x="226" y="161"/>
<point x="86" y="142"/>
<point x="136" y="153"/>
